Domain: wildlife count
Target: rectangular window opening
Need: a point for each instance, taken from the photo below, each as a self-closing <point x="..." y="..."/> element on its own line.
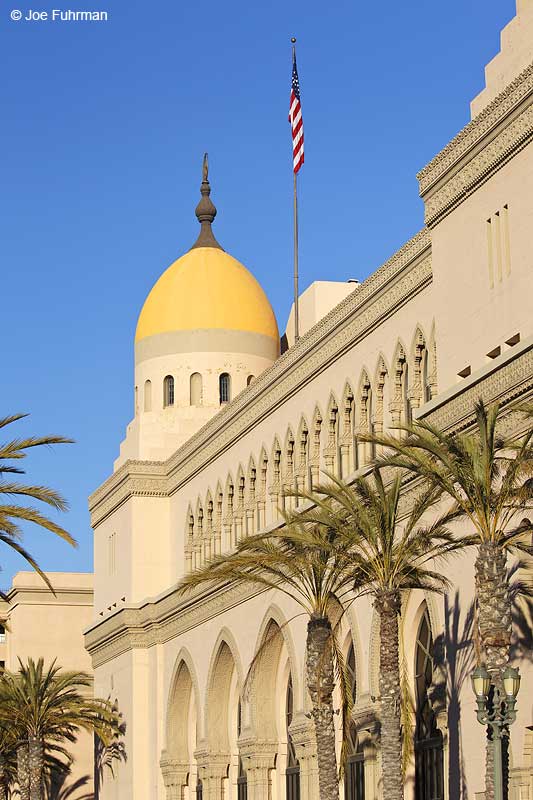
<point x="464" y="373"/>
<point x="495" y="352"/>
<point x="513" y="340"/>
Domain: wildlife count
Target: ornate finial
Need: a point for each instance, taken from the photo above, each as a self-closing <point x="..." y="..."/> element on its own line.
<point x="206" y="212"/>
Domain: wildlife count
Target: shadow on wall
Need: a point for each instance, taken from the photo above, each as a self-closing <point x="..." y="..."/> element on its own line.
<point x="455" y="659"/>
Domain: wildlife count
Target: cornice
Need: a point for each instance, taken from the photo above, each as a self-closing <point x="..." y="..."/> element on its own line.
<point x="505" y="384"/>
<point x="378" y="297"/>
<point x="486" y="121"/>
<point x="501" y="130"/>
<point x="158" y="621"/>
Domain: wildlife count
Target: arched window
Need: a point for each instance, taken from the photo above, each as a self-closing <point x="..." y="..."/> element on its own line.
<point x="148" y="395"/>
<point x="199" y="789"/>
<point x="249" y="379"/>
<point x="168" y="391"/>
<point x="242" y="781"/>
<point x="429" y="771"/>
<point x="224" y="386"/>
<point x="292" y="773"/>
<point x="2" y="634"/>
<point x="136" y="401"/>
<point x="196" y="389"/>
<point x="354" y="773"/>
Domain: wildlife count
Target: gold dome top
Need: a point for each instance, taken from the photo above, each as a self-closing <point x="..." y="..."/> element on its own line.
<point x="205" y="289"/>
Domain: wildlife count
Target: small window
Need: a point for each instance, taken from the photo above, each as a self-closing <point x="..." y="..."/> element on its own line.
<point x="148" y="395"/>
<point x="196" y="389"/>
<point x="224" y="384"/>
<point x="2" y="634"/>
<point x="249" y="379"/>
<point x="168" y="391"/>
<point x="464" y="373"/>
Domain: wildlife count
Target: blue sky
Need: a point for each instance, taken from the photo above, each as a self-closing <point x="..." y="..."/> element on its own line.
<point x="104" y="127"/>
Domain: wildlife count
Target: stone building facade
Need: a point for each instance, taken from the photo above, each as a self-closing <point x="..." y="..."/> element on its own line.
<point x="35" y="623"/>
<point x="224" y="425"/>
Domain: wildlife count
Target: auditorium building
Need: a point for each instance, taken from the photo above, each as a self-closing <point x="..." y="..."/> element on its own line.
<point x="229" y="415"/>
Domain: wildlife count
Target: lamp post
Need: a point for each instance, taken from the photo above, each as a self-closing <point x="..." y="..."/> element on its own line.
<point x="498" y="712"/>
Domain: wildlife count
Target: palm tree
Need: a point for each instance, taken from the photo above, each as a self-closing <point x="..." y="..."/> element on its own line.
<point x="47" y="707"/>
<point x="8" y="760"/>
<point x="305" y="563"/>
<point x="12" y="513"/>
<point x="488" y="476"/>
<point x="391" y="550"/>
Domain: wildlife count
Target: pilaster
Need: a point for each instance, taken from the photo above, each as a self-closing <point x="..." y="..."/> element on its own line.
<point x="258" y="759"/>
<point x="302" y="731"/>
<point x="175" y="775"/>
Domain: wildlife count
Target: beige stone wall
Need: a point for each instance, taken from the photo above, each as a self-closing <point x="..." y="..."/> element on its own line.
<point x="39" y="624"/>
<point x="395" y="347"/>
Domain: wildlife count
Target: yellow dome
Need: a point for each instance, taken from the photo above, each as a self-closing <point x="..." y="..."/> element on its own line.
<point x="207" y="289"/>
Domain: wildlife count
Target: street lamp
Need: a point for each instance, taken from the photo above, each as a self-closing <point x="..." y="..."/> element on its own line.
<point x="498" y="709"/>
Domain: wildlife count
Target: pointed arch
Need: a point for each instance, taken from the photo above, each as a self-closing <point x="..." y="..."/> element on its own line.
<point x="218" y="516"/>
<point x="190" y="530"/>
<point x="381" y="421"/>
<point x="228" y="514"/>
<point x="400" y="404"/>
<point x="331" y="451"/>
<point x="225" y="664"/>
<point x="183" y="701"/>
<point x="262" y="488"/>
<point x="432" y="363"/>
<point x="316" y="446"/>
<point x="251" y="498"/>
<point x="347" y="435"/>
<point x="429" y="755"/>
<point x="209" y="525"/>
<point x="302" y="456"/>
<point x="276" y="485"/>
<point x="365" y="415"/>
<point x="199" y="533"/>
<point x="419" y="391"/>
<point x="240" y="502"/>
<point x="288" y="466"/>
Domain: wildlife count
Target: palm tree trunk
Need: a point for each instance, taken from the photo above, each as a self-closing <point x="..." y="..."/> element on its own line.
<point x="495" y="626"/>
<point x="320" y="683"/>
<point x="36" y="759"/>
<point x="3" y="784"/>
<point x="388" y="606"/>
<point x="23" y="771"/>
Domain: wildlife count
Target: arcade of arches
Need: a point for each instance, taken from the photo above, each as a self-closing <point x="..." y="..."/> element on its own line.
<point x="247" y="736"/>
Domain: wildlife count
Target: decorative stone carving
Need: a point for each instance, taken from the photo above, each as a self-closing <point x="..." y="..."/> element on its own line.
<point x="175" y="774"/>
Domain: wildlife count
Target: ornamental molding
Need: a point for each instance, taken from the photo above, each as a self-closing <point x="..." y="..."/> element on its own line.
<point x="513" y="96"/>
<point x="161" y="620"/>
<point x="401" y="277"/>
<point x="463" y="182"/>
<point x="165" y="618"/>
<point x="509" y="382"/>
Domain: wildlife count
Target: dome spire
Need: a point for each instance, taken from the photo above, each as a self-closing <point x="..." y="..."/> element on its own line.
<point x="206" y="212"/>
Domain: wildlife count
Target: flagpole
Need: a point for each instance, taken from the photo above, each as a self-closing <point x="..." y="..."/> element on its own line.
<point x="295" y="209"/>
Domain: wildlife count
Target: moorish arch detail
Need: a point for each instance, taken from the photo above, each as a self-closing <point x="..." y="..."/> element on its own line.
<point x="347" y="437"/>
<point x="182" y="727"/>
<point x="332" y="436"/>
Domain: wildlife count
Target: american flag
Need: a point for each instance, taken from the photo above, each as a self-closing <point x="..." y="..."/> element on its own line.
<point x="295" y="118"/>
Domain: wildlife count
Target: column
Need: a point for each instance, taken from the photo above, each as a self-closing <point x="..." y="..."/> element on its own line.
<point x="258" y="760"/>
<point x="212" y="769"/>
<point x="175" y="775"/>
<point x="302" y="732"/>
